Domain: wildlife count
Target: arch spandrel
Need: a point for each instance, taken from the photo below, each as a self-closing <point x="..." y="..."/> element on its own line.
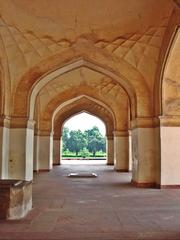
<point x="120" y="112"/>
<point x="119" y="70"/>
<point x="167" y="43"/>
<point x="171" y="80"/>
<point x="83" y="81"/>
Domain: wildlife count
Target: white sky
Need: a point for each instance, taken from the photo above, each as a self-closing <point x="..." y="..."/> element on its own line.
<point x="84" y="121"/>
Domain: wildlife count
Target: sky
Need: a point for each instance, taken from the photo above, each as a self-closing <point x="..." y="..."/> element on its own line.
<point x="84" y="121"/>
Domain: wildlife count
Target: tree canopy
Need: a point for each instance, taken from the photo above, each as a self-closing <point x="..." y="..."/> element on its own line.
<point x="90" y="140"/>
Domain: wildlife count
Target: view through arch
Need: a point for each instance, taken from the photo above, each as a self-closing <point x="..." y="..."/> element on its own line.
<point x="83" y="140"/>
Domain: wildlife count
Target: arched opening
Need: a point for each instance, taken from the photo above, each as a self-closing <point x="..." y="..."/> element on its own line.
<point x="110" y="59"/>
<point x="76" y="106"/>
<point x="83" y="140"/>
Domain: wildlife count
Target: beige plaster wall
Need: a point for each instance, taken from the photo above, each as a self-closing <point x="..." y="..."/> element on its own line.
<point x="170" y="152"/>
<point x="4" y="152"/>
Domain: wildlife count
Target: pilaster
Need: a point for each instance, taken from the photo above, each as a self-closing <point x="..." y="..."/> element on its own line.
<point x="145" y="155"/>
<point x="4" y="146"/>
<point x="110" y="150"/>
<point x="121" y="151"/>
<point x="44" y="150"/>
<point x="56" y="150"/>
<point x="21" y="148"/>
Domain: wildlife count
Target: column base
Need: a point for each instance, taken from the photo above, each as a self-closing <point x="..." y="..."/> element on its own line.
<point x="41" y="170"/>
<point x="122" y="170"/>
<point x="56" y="164"/>
<point x="155" y="185"/>
<point x="143" y="185"/>
<point x="110" y="164"/>
<point x="168" y="186"/>
<point x="44" y="170"/>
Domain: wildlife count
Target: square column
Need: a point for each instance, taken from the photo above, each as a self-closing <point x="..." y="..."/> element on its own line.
<point x="44" y="151"/>
<point x="170" y="151"/>
<point x="21" y="149"/>
<point x="56" y="150"/>
<point x="121" y="151"/>
<point x="145" y="151"/>
<point x="110" y="150"/>
<point x="35" y="160"/>
<point x="130" y="151"/>
<point x="4" y="147"/>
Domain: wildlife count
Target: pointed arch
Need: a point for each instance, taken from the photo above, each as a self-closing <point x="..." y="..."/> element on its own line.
<point x="83" y="104"/>
<point x="122" y="72"/>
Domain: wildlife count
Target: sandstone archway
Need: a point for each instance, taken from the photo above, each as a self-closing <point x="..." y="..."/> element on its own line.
<point x="91" y="107"/>
<point x="95" y="106"/>
<point x="122" y="64"/>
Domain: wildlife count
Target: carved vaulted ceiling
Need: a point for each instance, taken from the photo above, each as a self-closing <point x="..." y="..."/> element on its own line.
<point x="35" y="30"/>
<point x="128" y="34"/>
<point x="83" y="76"/>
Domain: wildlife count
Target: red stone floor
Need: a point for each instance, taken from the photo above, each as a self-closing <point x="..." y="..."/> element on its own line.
<point x="105" y="208"/>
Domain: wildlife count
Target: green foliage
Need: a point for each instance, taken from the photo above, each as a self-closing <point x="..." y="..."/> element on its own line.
<point x="96" y="141"/>
<point x="84" y="144"/>
<point x="81" y="154"/>
<point x="76" y="141"/>
<point x="65" y="137"/>
<point x="84" y="153"/>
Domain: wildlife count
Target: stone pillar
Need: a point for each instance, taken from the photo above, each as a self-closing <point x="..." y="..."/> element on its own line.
<point x="170" y="151"/>
<point x="56" y="150"/>
<point x="130" y="151"/>
<point x="121" y="151"/>
<point x="21" y="149"/>
<point x="144" y="153"/>
<point x="110" y="150"/>
<point x="4" y="147"/>
<point x="44" y="150"/>
<point x="35" y="159"/>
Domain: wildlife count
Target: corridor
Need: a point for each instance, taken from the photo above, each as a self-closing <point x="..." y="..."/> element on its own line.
<point x="107" y="207"/>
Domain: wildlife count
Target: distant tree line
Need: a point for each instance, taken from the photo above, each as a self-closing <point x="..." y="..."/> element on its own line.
<point x="85" y="143"/>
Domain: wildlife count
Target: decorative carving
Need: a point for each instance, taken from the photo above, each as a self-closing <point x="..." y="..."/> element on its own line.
<point x="24" y="49"/>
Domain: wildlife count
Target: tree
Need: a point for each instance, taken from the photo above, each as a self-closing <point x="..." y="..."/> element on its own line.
<point x="65" y="137"/>
<point x="89" y="141"/>
<point x="96" y="141"/>
<point x="76" y="141"/>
